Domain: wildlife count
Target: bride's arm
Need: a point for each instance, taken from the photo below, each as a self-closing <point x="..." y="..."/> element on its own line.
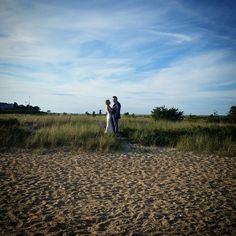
<point x="109" y="109"/>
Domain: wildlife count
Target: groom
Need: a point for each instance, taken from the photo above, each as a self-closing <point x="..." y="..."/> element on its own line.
<point x="115" y="114"/>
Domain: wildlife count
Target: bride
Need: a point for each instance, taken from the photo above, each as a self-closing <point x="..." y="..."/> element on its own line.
<point x="109" y="128"/>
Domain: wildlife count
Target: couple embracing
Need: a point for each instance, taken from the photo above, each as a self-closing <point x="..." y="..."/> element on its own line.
<point x="113" y="116"/>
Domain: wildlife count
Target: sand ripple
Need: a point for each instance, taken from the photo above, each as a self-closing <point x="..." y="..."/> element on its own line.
<point x="136" y="193"/>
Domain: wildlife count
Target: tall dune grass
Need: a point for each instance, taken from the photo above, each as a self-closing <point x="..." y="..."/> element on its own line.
<point x="184" y="135"/>
<point x="208" y="143"/>
<point x="87" y="133"/>
<point x="73" y="131"/>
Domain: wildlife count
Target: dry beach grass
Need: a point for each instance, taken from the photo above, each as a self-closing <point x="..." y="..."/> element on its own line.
<point x="139" y="192"/>
<point x="80" y="132"/>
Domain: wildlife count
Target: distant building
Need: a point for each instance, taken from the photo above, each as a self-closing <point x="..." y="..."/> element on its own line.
<point x="6" y="106"/>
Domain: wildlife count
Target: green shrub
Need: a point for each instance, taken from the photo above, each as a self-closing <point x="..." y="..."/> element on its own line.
<point x="163" y="113"/>
<point x="232" y="114"/>
<point x="12" y="134"/>
<point x="9" y="122"/>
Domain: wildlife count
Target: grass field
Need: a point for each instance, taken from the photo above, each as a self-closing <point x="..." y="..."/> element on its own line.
<point x="200" y="136"/>
<point x="87" y="133"/>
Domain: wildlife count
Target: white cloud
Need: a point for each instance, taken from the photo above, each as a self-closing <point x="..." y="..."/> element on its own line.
<point x="180" y="38"/>
<point x="183" y="82"/>
<point x="49" y="39"/>
<point x="34" y="31"/>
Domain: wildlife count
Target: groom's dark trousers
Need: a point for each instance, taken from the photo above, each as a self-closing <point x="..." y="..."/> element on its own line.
<point x="114" y="122"/>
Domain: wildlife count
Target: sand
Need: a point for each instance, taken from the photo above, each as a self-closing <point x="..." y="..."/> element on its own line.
<point x="140" y="192"/>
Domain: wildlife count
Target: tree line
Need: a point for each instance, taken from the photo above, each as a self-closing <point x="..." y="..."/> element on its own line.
<point x="19" y="109"/>
<point x="173" y="114"/>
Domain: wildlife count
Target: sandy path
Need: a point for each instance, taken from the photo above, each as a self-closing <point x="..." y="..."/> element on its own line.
<point x="137" y="193"/>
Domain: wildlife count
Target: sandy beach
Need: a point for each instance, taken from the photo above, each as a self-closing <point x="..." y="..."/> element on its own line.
<point x="140" y="192"/>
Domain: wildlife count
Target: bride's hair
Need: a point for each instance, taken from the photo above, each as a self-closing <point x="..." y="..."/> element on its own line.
<point x="107" y="102"/>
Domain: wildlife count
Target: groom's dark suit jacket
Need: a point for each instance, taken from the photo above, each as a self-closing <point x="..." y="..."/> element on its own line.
<point x="116" y="110"/>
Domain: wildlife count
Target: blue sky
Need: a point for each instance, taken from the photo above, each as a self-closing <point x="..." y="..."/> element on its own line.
<point x="70" y="56"/>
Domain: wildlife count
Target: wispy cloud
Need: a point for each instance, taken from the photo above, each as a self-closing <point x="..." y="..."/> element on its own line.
<point x="148" y="53"/>
<point x="180" y="38"/>
<point x="63" y="94"/>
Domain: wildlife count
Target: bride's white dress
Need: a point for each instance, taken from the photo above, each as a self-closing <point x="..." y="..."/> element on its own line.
<point x="109" y="128"/>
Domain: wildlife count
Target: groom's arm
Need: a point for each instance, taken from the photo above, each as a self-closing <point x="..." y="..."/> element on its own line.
<point x="117" y="110"/>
